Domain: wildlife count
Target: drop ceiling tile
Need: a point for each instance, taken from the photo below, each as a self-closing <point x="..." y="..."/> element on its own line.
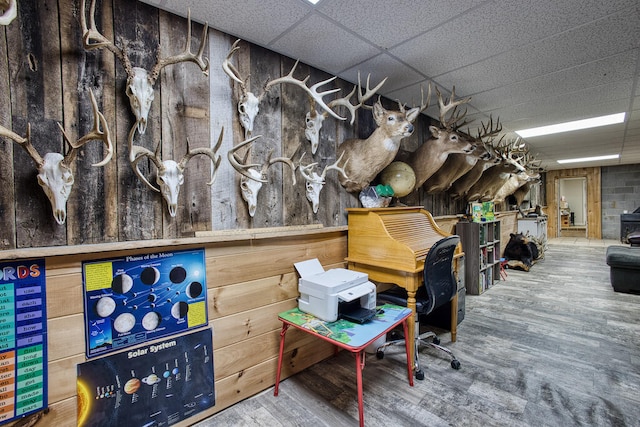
<point x="386" y="23"/>
<point x="322" y="44"/>
<point x="381" y="66"/>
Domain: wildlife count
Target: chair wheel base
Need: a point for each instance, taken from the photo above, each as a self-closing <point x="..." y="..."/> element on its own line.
<point x="455" y="364"/>
<point x="419" y="374"/>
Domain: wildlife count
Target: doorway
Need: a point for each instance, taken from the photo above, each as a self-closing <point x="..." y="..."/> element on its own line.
<point x="572" y="207"/>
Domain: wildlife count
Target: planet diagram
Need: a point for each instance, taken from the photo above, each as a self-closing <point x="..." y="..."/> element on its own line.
<point x="132" y="386"/>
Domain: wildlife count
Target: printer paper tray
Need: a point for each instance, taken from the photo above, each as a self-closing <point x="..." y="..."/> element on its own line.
<point x="354" y="292"/>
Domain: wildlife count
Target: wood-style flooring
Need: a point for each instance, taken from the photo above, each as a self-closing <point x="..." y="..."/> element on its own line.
<point x="551" y="347"/>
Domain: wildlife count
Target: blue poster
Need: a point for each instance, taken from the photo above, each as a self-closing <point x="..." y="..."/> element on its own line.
<point x="23" y="338"/>
<point x="157" y="385"/>
<point x="137" y="298"/>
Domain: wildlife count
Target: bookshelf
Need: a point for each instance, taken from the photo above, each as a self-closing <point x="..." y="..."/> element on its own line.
<point x="481" y="246"/>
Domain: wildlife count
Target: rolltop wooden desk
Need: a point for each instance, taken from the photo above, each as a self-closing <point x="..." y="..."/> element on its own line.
<point x="391" y="244"/>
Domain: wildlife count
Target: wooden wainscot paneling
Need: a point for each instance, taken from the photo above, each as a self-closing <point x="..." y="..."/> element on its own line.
<point x="250" y="277"/>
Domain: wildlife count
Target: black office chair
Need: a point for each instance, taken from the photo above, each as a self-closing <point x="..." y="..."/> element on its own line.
<point x="439" y="288"/>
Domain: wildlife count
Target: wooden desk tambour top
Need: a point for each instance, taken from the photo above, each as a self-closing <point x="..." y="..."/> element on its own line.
<point x="392" y="238"/>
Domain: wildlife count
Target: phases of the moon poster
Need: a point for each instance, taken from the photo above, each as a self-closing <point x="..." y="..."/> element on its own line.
<point x="137" y="298"/>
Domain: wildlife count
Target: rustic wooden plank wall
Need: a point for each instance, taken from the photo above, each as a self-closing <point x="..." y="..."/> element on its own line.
<point x="48" y="80"/>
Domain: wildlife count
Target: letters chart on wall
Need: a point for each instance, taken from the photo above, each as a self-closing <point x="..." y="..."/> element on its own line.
<point x="23" y="339"/>
<point x="133" y="299"/>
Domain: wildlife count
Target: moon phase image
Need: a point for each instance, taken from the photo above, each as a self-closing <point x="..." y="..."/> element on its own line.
<point x="151" y="320"/>
<point x="124" y="322"/>
<point x="132" y="386"/>
<point x="122" y="283"/>
<point x="179" y="309"/>
<point x="194" y="289"/>
<point x="150" y="276"/>
<point x="105" y="306"/>
<point x="177" y="275"/>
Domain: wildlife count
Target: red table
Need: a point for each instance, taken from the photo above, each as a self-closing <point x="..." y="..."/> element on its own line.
<point x="353" y="337"/>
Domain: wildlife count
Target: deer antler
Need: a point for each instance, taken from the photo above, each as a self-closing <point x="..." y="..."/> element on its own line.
<point x="10" y="11"/>
<point x="451" y="106"/>
<point x="186" y="56"/>
<point x="311" y="91"/>
<point x="99" y="41"/>
<point x="423" y="105"/>
<point x="137" y="153"/>
<point x="346" y="100"/>
<point x="212" y="153"/>
<point x="488" y="129"/>
<point x="243" y="167"/>
<point x="285" y="160"/>
<point x="231" y="70"/>
<point x="100" y="131"/>
<point x="24" y="143"/>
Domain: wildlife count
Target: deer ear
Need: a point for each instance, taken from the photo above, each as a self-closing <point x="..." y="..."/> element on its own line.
<point x="434" y="131"/>
<point x="378" y="113"/>
<point x="412" y="114"/>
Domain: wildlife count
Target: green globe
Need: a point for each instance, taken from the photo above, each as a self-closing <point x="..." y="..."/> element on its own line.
<point x="400" y="177"/>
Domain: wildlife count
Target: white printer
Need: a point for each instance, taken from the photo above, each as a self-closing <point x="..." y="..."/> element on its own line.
<point x="336" y="293"/>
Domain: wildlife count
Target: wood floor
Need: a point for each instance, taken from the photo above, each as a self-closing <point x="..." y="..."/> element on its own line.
<point x="551" y="347"/>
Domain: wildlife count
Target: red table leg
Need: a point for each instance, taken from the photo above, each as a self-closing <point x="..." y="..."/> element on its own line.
<point x="408" y="345"/>
<point x="285" y="326"/>
<point x="360" y="358"/>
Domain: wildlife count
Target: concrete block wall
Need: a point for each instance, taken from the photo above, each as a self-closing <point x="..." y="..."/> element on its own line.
<point x="620" y="193"/>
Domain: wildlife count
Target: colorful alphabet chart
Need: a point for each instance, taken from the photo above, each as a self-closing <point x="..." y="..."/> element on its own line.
<point x="157" y="384"/>
<point x="137" y="298"/>
<point x="23" y="339"/>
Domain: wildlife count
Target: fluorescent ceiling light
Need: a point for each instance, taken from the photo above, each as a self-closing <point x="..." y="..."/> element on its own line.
<point x="575" y="125"/>
<point x="590" y="159"/>
<point x="313" y="1"/>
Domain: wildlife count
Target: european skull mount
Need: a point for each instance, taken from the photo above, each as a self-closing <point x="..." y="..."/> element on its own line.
<point x="249" y="103"/>
<point x="54" y="170"/>
<point x="315" y="182"/>
<point x="140" y="82"/>
<point x="254" y="174"/>
<point x="170" y="174"/>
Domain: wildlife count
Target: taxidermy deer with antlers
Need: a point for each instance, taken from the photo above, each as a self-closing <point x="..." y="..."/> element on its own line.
<point x="140" y="82"/>
<point x="314" y="118"/>
<point x="458" y="164"/>
<point x="170" y="174"/>
<point x="249" y="103"/>
<point x="54" y="170"/>
<point x="10" y="8"/>
<point x="431" y="155"/>
<point x="252" y="178"/>
<point x="368" y="157"/>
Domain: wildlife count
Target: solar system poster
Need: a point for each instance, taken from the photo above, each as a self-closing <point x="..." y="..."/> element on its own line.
<point x="157" y="385"/>
<point x="138" y="298"/>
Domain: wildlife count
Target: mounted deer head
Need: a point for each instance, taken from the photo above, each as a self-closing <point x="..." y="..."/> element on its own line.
<point x="315" y="182"/>
<point x="248" y="105"/>
<point x="314" y="118"/>
<point x="54" y="170"/>
<point x="252" y="178"/>
<point x="458" y="164"/>
<point x="368" y="157"/>
<point x="10" y="8"/>
<point x="432" y="154"/>
<point x="140" y="82"/>
<point x="170" y="174"/>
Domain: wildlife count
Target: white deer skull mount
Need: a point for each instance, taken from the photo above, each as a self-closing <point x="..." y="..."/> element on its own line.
<point x="54" y="170"/>
<point x="170" y="174"/>
<point x="249" y="103"/>
<point x="140" y="82"/>
<point x="315" y="182"/>
<point x="252" y="179"/>
<point x="314" y="119"/>
<point x="10" y="8"/>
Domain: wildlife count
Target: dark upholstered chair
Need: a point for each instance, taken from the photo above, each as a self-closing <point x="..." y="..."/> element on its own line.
<point x="439" y="288"/>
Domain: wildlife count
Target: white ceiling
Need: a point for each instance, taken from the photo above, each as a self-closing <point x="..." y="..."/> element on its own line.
<point x="529" y="62"/>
